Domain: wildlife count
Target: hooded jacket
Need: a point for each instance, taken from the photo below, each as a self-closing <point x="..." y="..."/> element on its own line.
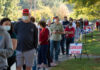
<point x="5" y="48"/>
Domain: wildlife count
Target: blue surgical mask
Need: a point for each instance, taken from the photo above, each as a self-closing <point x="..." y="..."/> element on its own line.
<point x="54" y="20"/>
<point x="7" y="28"/>
<point x="25" y="17"/>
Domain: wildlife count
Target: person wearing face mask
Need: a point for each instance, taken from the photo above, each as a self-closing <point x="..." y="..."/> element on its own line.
<point x="6" y="23"/>
<point x="27" y="37"/>
<point x="50" y="61"/>
<point x="6" y="47"/>
<point x="56" y="30"/>
<point x="70" y="32"/>
<point x="53" y="21"/>
<point x="73" y="22"/>
<point x="62" y="43"/>
<point x="43" y="45"/>
<point x="77" y="31"/>
<point x="65" y="22"/>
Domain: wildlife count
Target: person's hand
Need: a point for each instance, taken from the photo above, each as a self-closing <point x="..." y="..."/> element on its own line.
<point x="66" y="32"/>
<point x="54" y="32"/>
<point x="39" y="43"/>
<point x="70" y="32"/>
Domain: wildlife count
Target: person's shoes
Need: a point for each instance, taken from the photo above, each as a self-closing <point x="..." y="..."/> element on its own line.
<point x="39" y="67"/>
<point x="43" y="65"/>
<point x="53" y="64"/>
<point x="68" y="55"/>
<point x="63" y="53"/>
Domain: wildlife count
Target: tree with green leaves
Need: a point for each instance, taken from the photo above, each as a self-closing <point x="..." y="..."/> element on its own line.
<point x="9" y="8"/>
<point x="86" y="8"/>
<point x="2" y="2"/>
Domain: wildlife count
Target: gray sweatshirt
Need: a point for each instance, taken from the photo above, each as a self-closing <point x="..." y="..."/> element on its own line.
<point x="5" y="48"/>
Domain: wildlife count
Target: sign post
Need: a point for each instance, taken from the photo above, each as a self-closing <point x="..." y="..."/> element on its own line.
<point x="76" y="49"/>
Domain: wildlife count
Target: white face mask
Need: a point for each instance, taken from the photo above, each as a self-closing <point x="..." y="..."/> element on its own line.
<point x="25" y="17"/>
<point x="55" y="20"/>
<point x="70" y="26"/>
<point x="7" y="28"/>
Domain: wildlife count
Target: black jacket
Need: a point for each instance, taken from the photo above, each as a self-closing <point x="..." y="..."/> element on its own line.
<point x="27" y="36"/>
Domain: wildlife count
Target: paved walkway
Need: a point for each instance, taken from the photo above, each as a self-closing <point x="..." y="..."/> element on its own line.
<point x="64" y="57"/>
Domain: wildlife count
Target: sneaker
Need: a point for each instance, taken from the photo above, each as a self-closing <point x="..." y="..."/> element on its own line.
<point x="43" y="65"/>
<point x="39" y="67"/>
<point x="53" y="64"/>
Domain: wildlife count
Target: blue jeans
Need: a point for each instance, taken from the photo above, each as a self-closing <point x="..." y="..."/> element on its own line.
<point x="35" y="64"/>
<point x="42" y="54"/>
<point x="68" y="42"/>
<point x="54" y="45"/>
<point x="62" y="43"/>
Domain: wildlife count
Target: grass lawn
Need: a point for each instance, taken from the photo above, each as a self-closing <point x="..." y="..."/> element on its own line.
<point x="93" y="45"/>
<point x="78" y="64"/>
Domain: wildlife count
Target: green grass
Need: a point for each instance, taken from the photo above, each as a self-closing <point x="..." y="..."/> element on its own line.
<point x="93" y="45"/>
<point x="78" y="64"/>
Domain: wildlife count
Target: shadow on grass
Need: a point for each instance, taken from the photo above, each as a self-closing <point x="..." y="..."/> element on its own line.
<point x="78" y="64"/>
<point x="93" y="44"/>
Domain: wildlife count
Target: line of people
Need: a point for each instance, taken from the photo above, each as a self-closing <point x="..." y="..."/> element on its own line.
<point x="98" y="25"/>
<point x="21" y="42"/>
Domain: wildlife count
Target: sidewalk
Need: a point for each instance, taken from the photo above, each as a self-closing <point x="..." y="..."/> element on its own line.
<point x="65" y="58"/>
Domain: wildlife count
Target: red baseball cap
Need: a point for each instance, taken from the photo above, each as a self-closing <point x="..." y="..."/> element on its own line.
<point x="25" y="11"/>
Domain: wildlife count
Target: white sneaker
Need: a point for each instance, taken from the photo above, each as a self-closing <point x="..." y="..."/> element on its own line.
<point x="53" y="64"/>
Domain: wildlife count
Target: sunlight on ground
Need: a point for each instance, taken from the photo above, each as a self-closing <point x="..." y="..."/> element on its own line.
<point x="78" y="64"/>
<point x="94" y="39"/>
<point x="89" y="40"/>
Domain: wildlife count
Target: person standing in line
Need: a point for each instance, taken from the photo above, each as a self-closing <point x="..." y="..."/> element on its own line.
<point x="50" y="60"/>
<point x="32" y="19"/>
<point x="27" y="36"/>
<point x="6" y="22"/>
<point x="55" y="38"/>
<point x="99" y="26"/>
<point x="62" y="43"/>
<point x="77" y="31"/>
<point x="53" y="21"/>
<point x="35" y="57"/>
<point x="73" y="23"/>
<point x="65" y="22"/>
<point x="43" y="45"/>
<point x="86" y="22"/>
<point x="81" y="24"/>
<point x="70" y="32"/>
<point x="6" y="47"/>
